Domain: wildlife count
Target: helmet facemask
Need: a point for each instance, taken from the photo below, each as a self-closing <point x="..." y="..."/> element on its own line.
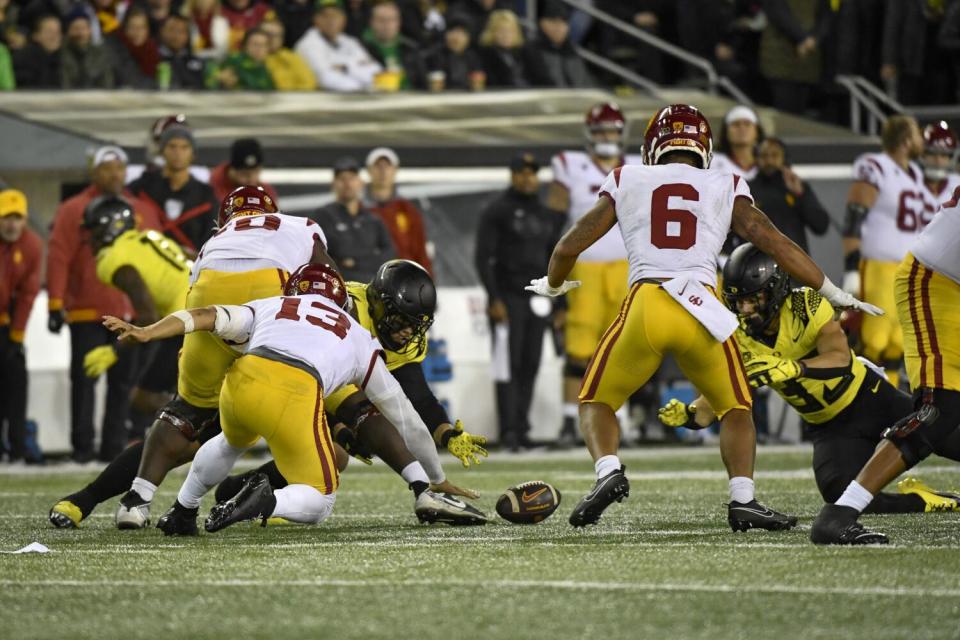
<point x="768" y="301"/>
<point x="390" y="320"/>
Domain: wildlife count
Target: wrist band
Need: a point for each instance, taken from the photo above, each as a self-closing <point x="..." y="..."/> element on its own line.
<point x="186" y="318"/>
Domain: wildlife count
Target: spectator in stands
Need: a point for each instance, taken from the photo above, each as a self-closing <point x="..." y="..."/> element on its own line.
<point x="159" y="11"/>
<point x="737" y="143"/>
<point x="516" y="234"/>
<point x="356" y="239"/>
<point x="650" y="16"/>
<point x="911" y="59"/>
<point x="551" y="60"/>
<point x="77" y="297"/>
<point x="247" y="70"/>
<point x="358" y="17"/>
<point x="403" y="219"/>
<point x="11" y="34"/>
<point x="949" y="41"/>
<point x="477" y="12"/>
<point x="243" y="15"/>
<point x="241" y="170"/>
<point x="453" y="63"/>
<point x="186" y="71"/>
<point x="37" y="64"/>
<point x="84" y="65"/>
<point x="209" y="30"/>
<point x="339" y="62"/>
<point x="288" y="70"/>
<point x="422" y="21"/>
<point x="296" y="16"/>
<point x="502" y="51"/>
<point x="396" y="53"/>
<point x="134" y="52"/>
<point x="21" y="252"/>
<point x="188" y="205"/>
<point x="107" y="17"/>
<point x="8" y="81"/>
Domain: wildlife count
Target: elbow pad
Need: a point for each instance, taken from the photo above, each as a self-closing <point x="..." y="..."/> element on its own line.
<point x="853" y="219"/>
<point x="232" y="323"/>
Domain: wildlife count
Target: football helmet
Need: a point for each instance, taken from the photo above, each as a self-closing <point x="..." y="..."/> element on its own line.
<point x="320" y="279"/>
<point x="601" y="118"/>
<point x="108" y="217"/>
<point x="402" y="297"/>
<point x="245" y="201"/>
<point x="938" y="140"/>
<point x="747" y="273"/>
<point x="678" y="127"/>
<point x="156" y="129"/>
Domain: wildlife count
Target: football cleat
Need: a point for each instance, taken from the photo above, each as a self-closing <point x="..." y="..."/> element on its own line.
<point x="433" y="507"/>
<point x="65" y="515"/>
<point x="838" y="525"/>
<point x="133" y="512"/>
<point x="610" y="488"/>
<point x="753" y="515"/>
<point x="178" y="521"/>
<point x="231" y="485"/>
<point x="254" y="500"/>
<point x="933" y="500"/>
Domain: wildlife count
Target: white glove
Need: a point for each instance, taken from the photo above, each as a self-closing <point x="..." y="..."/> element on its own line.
<point x="543" y="288"/>
<point x="840" y="299"/>
<point x="851" y="282"/>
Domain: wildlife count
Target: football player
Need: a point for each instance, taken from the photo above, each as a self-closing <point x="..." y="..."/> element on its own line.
<point x="675" y="215"/>
<point x="791" y="342"/>
<point x="939" y="160"/>
<point x="887" y="206"/>
<point x="928" y="305"/>
<point x="577" y="176"/>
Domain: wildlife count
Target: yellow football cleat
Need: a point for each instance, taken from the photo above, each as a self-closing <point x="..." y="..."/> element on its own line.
<point x="933" y="500"/>
<point x="272" y="522"/>
<point x="65" y="515"/>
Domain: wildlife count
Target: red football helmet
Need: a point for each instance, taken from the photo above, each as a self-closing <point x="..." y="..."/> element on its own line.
<point x="679" y="127"/>
<point x="245" y="201"/>
<point x="601" y="118"/>
<point x="320" y="279"/>
<point x="938" y="140"/>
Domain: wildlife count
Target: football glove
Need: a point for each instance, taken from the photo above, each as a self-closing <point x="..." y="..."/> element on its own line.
<point x="542" y="287"/>
<point x="678" y="414"/>
<point x="466" y="447"/>
<point x="767" y="370"/>
<point x="346" y="438"/>
<point x="98" y="360"/>
<point x="840" y="299"/>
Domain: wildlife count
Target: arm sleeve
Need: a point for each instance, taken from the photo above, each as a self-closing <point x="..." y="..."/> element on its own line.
<point x="814" y="215"/>
<point x="234" y="322"/>
<point x="61" y="247"/>
<point x="741" y="189"/>
<point x="779" y="14"/>
<point x="26" y="290"/>
<point x="611" y="186"/>
<point x="486" y="249"/>
<point x="558" y="164"/>
<point x="383" y="390"/>
<point x="414" y="385"/>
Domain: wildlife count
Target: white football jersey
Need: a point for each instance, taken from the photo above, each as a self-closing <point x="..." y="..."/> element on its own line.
<point x="674" y="218"/>
<point x="903" y="208"/>
<point x="313" y="330"/>
<point x="264" y="241"/>
<point x="724" y="163"/>
<point x="577" y="171"/>
<point x="938" y="246"/>
<point x="949" y="186"/>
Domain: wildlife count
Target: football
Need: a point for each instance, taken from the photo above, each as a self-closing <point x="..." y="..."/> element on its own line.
<point x="528" y="503"/>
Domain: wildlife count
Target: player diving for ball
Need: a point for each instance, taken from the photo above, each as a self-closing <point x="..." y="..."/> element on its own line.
<point x="674" y="216"/>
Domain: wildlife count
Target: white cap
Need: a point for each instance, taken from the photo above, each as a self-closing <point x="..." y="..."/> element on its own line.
<point x="109" y="153"/>
<point x="383" y="152"/>
<point x="741" y="112"/>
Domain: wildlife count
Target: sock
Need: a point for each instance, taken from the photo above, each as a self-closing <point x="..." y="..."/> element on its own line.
<point x="277" y="481"/>
<point x="741" y="489"/>
<point x="302" y="503"/>
<point x="606" y="465"/>
<point x="855" y="496"/>
<point x="114" y="480"/>
<point x="144" y="488"/>
<point x="210" y="467"/>
<point x="416" y="478"/>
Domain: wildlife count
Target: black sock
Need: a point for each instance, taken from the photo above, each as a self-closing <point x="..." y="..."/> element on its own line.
<point x="418" y="487"/>
<point x="277" y="481"/>
<point x="114" y="480"/>
<point x="187" y="510"/>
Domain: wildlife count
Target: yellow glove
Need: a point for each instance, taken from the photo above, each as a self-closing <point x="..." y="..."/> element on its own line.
<point x="98" y="360"/>
<point x="766" y="370"/>
<point x="466" y="446"/>
<point x="674" y="414"/>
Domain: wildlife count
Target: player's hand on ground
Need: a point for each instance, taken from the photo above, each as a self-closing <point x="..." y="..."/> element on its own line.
<point x="766" y="370"/>
<point x="127" y="332"/>
<point x="448" y="487"/>
<point x="542" y="287"/>
<point x="98" y="360"/>
<point x="674" y="414"/>
<point x="466" y="447"/>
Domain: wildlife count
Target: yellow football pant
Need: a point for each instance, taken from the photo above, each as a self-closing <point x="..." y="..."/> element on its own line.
<point x="594" y="304"/>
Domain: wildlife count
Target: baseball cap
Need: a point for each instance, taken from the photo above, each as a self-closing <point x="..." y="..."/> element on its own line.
<point x="246" y="153"/>
<point x="741" y="112"/>
<point x="109" y="153"/>
<point x="13" y="201"/>
<point x="555" y="9"/>
<point x="523" y="161"/>
<point x="346" y="163"/>
<point x="320" y="5"/>
<point x="176" y="131"/>
<point x="383" y="152"/>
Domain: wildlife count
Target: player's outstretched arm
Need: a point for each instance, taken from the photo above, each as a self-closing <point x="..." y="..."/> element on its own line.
<point x="587" y="230"/>
<point x="226" y="321"/>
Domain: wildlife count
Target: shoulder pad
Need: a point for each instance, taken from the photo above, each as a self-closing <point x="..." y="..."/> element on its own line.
<point x="813" y="301"/>
<point x="798" y="305"/>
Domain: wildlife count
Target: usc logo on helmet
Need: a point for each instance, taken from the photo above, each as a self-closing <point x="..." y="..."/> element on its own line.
<point x="303" y="286"/>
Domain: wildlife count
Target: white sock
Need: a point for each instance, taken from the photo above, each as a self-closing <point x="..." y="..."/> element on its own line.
<point x="414" y="472"/>
<point x="741" y="489"/>
<point x="855" y="496"/>
<point x="302" y="503"/>
<point x="623" y="415"/>
<point x="210" y="467"/>
<point x="571" y="410"/>
<point x="144" y="488"/>
<point x="606" y="465"/>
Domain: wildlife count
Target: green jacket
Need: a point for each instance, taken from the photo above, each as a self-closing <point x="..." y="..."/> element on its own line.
<point x="7" y="81"/>
<point x="252" y="75"/>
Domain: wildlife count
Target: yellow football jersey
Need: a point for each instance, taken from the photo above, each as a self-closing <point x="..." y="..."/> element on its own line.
<point x="802" y="315"/>
<point x="395" y="359"/>
<point x="160" y="262"/>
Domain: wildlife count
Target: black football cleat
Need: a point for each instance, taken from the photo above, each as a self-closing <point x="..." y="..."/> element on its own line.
<point x="254" y="500"/>
<point x="753" y="515"/>
<point x="611" y="488"/>
<point x="838" y="525"/>
<point x="178" y="521"/>
<point x="232" y="485"/>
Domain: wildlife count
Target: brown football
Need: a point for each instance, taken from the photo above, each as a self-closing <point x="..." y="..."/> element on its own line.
<point x="528" y="503"/>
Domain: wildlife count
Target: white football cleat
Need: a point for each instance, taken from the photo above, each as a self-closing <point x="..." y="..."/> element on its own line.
<point x="133" y="512"/>
<point x="442" y="507"/>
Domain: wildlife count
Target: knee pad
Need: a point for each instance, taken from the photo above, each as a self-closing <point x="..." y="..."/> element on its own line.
<point x="188" y="419"/>
<point x="917" y="434"/>
<point x="573" y="369"/>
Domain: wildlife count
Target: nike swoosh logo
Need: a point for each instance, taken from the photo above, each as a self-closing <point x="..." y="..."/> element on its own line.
<point x="528" y="497"/>
<point x="765" y="513"/>
<point x="876" y="386"/>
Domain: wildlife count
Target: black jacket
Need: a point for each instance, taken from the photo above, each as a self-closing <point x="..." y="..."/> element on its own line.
<point x="34" y="68"/>
<point x="190" y="214"/>
<point x="548" y="65"/>
<point x="187" y="71"/>
<point x="791" y="214"/>
<point x="504" y="67"/>
<point x="456" y="68"/>
<point x="359" y="244"/>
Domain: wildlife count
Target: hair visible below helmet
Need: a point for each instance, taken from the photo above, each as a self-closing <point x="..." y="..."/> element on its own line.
<point x="938" y="138"/>
<point x="748" y="272"/>
<point x="679" y="127"/>
<point x="108" y="217"/>
<point x="245" y="201"/>
<point x="605" y="116"/>
<point x="402" y="295"/>
<point x="318" y="279"/>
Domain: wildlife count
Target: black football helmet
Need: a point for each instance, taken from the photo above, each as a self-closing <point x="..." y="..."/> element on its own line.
<point x="402" y="295"/>
<point x="748" y="272"/>
<point x="108" y="217"/>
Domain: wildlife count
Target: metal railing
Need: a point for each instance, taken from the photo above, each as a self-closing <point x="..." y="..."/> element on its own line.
<point x="867" y="98"/>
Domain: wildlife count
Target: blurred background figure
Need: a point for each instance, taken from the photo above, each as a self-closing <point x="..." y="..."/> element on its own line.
<point x="37" y="65"/>
<point x="241" y="170"/>
<point x="133" y="51"/>
<point x="939" y="160"/>
<point x="338" y="60"/>
<point x="452" y="63"/>
<point x="84" y="64"/>
<point x="396" y="53"/>
<point x="247" y="69"/>
<point x="288" y="70"/>
<point x="179" y="67"/>
<point x="551" y="58"/>
<point x="209" y="29"/>
<point x="501" y="50"/>
<point x="736" y="150"/>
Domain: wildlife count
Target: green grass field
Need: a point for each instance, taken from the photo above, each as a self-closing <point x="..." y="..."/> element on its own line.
<point x="662" y="564"/>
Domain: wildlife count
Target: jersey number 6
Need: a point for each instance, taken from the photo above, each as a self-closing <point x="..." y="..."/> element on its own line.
<point x="682" y="234"/>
